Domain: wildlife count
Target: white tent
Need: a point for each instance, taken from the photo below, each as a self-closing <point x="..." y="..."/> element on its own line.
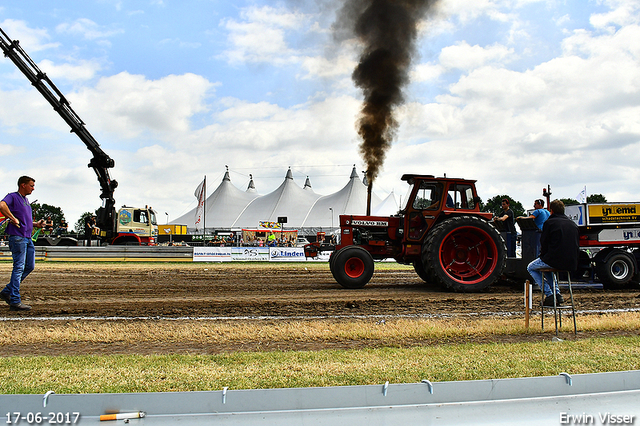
<point x="229" y="207"/>
<point x="223" y="206"/>
<point x="352" y="199"/>
<point x="387" y="207"/>
<point x="288" y="200"/>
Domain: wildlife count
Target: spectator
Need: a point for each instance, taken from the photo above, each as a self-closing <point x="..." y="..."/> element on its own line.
<point x="539" y="216"/>
<point x="507" y="218"/>
<point x="48" y="226"/>
<point x="558" y="249"/>
<point x="62" y="228"/>
<point x="16" y="207"/>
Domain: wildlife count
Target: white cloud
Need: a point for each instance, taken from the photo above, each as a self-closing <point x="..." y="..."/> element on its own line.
<point x="570" y="121"/>
<point x="326" y="68"/>
<point x="84" y="70"/>
<point x="468" y="10"/>
<point x="623" y="12"/>
<point x="465" y="57"/>
<point x="261" y="36"/>
<point x="426" y="72"/>
<point x="31" y="39"/>
<point x="87" y="29"/>
<point x="128" y="105"/>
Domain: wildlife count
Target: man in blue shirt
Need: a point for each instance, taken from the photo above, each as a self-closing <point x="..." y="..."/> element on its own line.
<point x="539" y="216"/>
<point x="17" y="209"/>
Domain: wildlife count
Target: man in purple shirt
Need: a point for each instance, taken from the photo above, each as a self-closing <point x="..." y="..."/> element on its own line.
<point x="17" y="209"/>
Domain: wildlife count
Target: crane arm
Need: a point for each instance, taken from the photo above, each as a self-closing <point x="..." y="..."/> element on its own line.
<point x="101" y="162"/>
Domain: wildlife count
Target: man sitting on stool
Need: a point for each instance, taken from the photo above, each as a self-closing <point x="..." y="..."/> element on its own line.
<point x="558" y="249"/>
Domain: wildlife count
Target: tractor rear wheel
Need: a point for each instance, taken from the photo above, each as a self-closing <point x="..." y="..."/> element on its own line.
<point x="418" y="266"/>
<point x="425" y="273"/>
<point x="352" y="267"/>
<point x="465" y="254"/>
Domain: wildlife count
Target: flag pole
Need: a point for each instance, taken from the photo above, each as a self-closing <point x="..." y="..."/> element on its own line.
<point x="204" y="212"/>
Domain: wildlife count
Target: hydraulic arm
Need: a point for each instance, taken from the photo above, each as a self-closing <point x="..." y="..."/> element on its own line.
<point x="101" y="162"/>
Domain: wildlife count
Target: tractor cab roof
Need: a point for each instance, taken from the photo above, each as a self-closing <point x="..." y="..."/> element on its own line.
<point x="412" y="177"/>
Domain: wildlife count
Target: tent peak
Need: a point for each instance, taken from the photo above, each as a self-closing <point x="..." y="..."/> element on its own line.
<point x="354" y="173"/>
<point x="252" y="186"/>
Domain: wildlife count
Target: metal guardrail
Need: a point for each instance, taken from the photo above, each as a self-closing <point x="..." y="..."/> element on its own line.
<point x="602" y="398"/>
<point x="109" y="253"/>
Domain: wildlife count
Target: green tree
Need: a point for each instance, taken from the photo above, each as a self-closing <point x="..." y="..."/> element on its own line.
<point x="79" y="226"/>
<point x="596" y="198"/>
<point x="494" y="205"/>
<point x="569" y="201"/>
<point x="593" y="198"/>
<point x="42" y="211"/>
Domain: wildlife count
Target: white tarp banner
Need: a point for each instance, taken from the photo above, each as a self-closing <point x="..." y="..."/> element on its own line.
<point x="212" y="254"/>
<point x="250" y="254"/>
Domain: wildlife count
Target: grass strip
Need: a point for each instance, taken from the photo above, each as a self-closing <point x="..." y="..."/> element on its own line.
<point x="210" y="332"/>
<point x="257" y="370"/>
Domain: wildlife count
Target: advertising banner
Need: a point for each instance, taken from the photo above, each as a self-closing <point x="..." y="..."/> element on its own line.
<point x="287" y="254"/>
<point x="254" y="254"/>
<point x="250" y="254"/>
<point x="620" y="235"/>
<point x="576" y="214"/>
<point x="613" y="213"/>
<point x="212" y="254"/>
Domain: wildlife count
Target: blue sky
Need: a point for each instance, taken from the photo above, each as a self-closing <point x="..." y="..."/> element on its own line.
<point x="518" y="94"/>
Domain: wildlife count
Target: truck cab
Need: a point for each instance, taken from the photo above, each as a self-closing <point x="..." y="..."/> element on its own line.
<point x="137" y="226"/>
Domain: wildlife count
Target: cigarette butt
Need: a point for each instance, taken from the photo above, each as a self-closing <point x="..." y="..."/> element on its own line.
<point x="120" y="416"/>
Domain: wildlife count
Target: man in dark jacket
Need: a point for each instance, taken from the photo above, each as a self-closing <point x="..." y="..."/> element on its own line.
<point x="558" y="249"/>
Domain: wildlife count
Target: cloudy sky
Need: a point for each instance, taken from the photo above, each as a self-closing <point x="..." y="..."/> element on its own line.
<point x="517" y="94"/>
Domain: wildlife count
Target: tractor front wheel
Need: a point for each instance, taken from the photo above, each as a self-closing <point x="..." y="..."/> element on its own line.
<point x="352" y="267"/>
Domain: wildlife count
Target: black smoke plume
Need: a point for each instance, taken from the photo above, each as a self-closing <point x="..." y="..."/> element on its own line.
<point x="388" y="31"/>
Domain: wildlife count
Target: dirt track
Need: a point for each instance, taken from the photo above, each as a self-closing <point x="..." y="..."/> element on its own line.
<point x="277" y="292"/>
<point x="224" y="290"/>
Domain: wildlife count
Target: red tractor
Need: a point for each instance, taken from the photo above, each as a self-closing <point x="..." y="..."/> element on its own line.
<point x="440" y="230"/>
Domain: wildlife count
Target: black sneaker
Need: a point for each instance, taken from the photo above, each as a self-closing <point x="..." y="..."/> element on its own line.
<point x="548" y="301"/>
<point x="6" y="298"/>
<point x="19" y="307"/>
<point x="559" y="299"/>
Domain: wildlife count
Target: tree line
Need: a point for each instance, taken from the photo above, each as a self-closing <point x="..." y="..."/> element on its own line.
<point x="43" y="211"/>
<point x="494" y="205"/>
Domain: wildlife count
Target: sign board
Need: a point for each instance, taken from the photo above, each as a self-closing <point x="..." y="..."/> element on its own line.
<point x="269" y="225"/>
<point x="576" y="214"/>
<point x="172" y="229"/>
<point x="250" y="254"/>
<point x="282" y="219"/>
<point x="287" y="254"/>
<point x="212" y="254"/>
<point x="620" y="235"/>
<point x="613" y="213"/>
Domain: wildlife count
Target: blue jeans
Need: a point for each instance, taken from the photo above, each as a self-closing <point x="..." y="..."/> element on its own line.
<point x="537" y="276"/>
<point x="24" y="261"/>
